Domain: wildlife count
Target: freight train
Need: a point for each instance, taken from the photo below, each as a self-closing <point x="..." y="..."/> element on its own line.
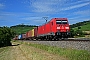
<point x="56" y="28"/>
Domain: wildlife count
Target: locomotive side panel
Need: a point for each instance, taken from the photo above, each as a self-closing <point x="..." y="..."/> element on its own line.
<point x="53" y="26"/>
<point x="47" y="27"/>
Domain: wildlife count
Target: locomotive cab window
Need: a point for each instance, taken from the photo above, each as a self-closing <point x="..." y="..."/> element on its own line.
<point x="64" y="21"/>
<point x="58" y="21"/>
<point x="61" y="21"/>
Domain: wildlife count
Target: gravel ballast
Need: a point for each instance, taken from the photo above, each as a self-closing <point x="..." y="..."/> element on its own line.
<point x="80" y="45"/>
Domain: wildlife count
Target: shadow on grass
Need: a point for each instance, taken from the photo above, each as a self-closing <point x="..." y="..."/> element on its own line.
<point x="10" y="45"/>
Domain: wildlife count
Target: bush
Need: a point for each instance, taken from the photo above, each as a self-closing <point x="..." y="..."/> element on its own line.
<point x="5" y="36"/>
<point x="72" y="33"/>
<point x="77" y="32"/>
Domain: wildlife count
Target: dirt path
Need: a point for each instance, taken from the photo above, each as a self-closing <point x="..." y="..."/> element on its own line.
<point x="25" y="52"/>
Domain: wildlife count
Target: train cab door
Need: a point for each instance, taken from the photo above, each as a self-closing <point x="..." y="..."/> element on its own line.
<point x="51" y="27"/>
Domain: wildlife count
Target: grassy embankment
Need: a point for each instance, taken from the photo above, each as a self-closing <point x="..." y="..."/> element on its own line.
<point x="85" y="27"/>
<point x="2" y="49"/>
<point x="21" y="30"/>
<point x="72" y="54"/>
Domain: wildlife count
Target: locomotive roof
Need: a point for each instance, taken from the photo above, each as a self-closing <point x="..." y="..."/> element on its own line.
<point x="54" y="19"/>
<point x="59" y="18"/>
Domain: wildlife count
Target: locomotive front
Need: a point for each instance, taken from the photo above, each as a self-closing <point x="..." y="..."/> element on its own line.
<point x="62" y="28"/>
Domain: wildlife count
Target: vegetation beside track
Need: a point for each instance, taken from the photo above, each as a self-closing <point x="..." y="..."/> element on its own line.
<point x="6" y="34"/>
<point x="72" y="54"/>
<point x="80" y="29"/>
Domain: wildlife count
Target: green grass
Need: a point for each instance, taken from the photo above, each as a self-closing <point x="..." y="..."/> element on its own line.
<point x="2" y="49"/>
<point x="72" y="54"/>
<point x="21" y="30"/>
<point x="86" y="27"/>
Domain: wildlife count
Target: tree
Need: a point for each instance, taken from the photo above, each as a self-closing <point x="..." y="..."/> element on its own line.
<point x="79" y="27"/>
<point x="79" y="32"/>
<point x="72" y="33"/>
<point x="5" y="36"/>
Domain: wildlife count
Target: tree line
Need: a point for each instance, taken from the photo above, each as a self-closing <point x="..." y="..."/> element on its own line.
<point x="22" y="25"/>
<point x="6" y="34"/>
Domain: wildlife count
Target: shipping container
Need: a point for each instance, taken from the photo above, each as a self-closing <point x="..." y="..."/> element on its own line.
<point x="23" y="36"/>
<point x="26" y="34"/>
<point x="35" y="32"/>
<point x="39" y="31"/>
<point x="20" y="36"/>
<point x="32" y="35"/>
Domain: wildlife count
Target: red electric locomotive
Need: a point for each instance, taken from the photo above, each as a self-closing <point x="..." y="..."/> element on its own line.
<point x="54" y="29"/>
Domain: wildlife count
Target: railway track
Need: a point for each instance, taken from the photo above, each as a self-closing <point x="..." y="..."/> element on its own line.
<point x="69" y="39"/>
<point x="78" y="39"/>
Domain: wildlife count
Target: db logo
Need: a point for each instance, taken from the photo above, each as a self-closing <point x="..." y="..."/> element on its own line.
<point x="62" y="27"/>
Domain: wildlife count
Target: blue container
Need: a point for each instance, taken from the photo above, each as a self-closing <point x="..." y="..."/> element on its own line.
<point x="20" y="36"/>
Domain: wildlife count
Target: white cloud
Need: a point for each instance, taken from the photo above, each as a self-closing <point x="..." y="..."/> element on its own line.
<point x="76" y="6"/>
<point x="1" y="6"/>
<point x="83" y="12"/>
<point x="30" y="18"/>
<point x="75" y="20"/>
<point x="80" y="13"/>
<point x="43" y="6"/>
<point x="55" y="6"/>
<point x="7" y="14"/>
<point x="47" y="6"/>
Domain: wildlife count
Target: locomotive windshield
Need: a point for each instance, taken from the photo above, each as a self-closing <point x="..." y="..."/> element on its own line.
<point x="61" y="21"/>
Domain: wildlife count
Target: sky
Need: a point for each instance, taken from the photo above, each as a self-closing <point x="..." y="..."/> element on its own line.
<point x="32" y="12"/>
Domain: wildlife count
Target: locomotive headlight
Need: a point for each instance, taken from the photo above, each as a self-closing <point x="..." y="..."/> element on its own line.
<point x="67" y="27"/>
<point x="58" y="27"/>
